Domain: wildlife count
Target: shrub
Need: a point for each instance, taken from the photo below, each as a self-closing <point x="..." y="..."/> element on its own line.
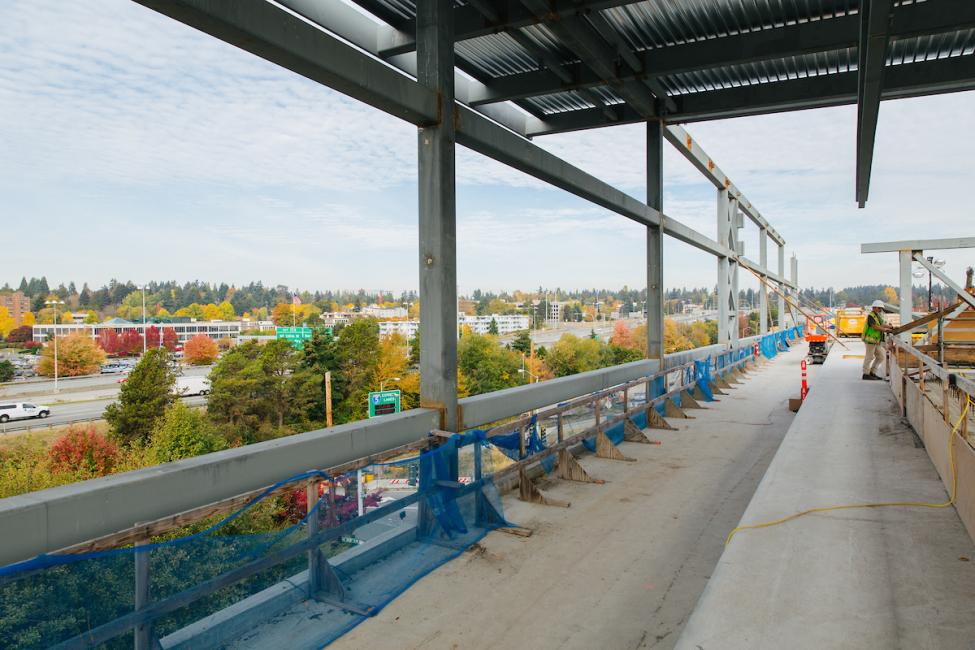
<point x="183" y="433"/>
<point x="20" y="334"/>
<point x="83" y="449"/>
<point x="200" y="350"/>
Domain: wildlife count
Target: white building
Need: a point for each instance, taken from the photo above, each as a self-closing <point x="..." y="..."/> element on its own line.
<point x="507" y="323"/>
<point x="384" y="312"/>
<point x="184" y="331"/>
<point x="555" y="311"/>
<point x="408" y="328"/>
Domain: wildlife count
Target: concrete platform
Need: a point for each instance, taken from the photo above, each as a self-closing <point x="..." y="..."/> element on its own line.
<point x="624" y="566"/>
<point x="864" y="578"/>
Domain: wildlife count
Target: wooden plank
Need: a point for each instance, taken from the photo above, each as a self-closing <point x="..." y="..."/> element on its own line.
<point x="924" y="320"/>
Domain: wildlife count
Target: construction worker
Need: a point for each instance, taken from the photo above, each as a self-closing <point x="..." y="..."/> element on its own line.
<point x="873" y="338"/>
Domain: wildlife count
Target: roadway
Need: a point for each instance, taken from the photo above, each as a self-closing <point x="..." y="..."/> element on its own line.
<point x="74" y="412"/>
<point x="77" y="388"/>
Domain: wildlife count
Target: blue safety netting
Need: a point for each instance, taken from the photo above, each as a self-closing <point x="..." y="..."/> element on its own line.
<point x="413" y="515"/>
<point x="772" y="344"/>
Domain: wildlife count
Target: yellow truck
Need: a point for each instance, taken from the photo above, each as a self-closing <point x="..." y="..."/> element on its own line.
<point x="850" y="321"/>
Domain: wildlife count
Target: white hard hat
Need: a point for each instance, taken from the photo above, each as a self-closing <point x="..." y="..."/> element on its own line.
<point x="878" y="303"/>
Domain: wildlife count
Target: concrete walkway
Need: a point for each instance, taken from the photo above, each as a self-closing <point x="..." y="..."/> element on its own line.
<point x="863" y="578"/>
<point x="624" y="566"/>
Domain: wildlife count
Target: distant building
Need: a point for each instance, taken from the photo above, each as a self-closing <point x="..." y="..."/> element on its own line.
<point x="507" y="323"/>
<point x="184" y="331"/>
<point x="384" y="312"/>
<point x="466" y="306"/>
<point x="408" y="328"/>
<point x="555" y="311"/>
<point x="16" y="303"/>
<point x="334" y="318"/>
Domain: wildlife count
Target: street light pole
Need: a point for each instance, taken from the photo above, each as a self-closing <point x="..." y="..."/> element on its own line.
<point x="55" y="304"/>
<point x="143" y="289"/>
<point x="382" y="382"/>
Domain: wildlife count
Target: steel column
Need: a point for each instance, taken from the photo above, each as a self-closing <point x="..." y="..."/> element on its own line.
<point x="782" y="288"/>
<point x="795" y="284"/>
<point x="874" y="37"/>
<point x="724" y="269"/>
<point x="438" y="218"/>
<point x="906" y="294"/>
<point x="737" y="222"/>
<point x="763" y="290"/>
<point x="655" y="243"/>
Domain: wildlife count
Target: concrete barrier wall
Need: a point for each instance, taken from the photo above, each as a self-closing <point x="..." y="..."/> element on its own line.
<point x="928" y="422"/>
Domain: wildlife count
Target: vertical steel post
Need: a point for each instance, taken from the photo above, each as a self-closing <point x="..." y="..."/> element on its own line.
<point x="438" y="223"/>
<point x="795" y="281"/>
<point x="143" y="633"/>
<point x="314" y="554"/>
<point x="724" y="279"/>
<point x="782" y="288"/>
<point x="736" y="218"/>
<point x="763" y="290"/>
<point x="655" y="244"/>
<point x="906" y="296"/>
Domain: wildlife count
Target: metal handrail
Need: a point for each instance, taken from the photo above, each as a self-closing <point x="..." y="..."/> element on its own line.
<point x="934" y="367"/>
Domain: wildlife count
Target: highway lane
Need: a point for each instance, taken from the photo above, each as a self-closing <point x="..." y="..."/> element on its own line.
<point x="76" y="388"/>
<point x="77" y="412"/>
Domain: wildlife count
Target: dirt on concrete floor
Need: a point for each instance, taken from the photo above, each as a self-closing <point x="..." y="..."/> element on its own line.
<point x="624" y="565"/>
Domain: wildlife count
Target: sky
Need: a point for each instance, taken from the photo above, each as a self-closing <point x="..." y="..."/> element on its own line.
<point x="134" y="147"/>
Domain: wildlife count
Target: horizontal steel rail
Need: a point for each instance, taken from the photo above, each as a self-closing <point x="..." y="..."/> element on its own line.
<point x="934" y="367"/>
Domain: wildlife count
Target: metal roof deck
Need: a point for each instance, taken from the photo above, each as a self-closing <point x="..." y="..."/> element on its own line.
<point x="591" y="63"/>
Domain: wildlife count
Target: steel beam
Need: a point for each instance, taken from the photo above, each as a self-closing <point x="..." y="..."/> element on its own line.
<point x="438" y="215"/>
<point x="874" y="39"/>
<point x="923" y="78"/>
<point x="763" y="290"/>
<point x="692" y="151"/>
<point x="941" y="275"/>
<point x="918" y="245"/>
<point x="655" y="243"/>
<point x="795" y="286"/>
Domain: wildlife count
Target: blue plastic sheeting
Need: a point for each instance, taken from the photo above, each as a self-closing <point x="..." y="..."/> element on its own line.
<point x="510" y="444"/>
<point x="702" y="377"/>
<point x="772" y="344"/>
<point x="53" y="598"/>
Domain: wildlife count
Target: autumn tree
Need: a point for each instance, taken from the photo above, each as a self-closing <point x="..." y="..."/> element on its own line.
<point x="108" y="340"/>
<point x="78" y="355"/>
<point x="170" y="340"/>
<point x="571" y="355"/>
<point x="393" y="359"/>
<point x="144" y="397"/>
<point x="28" y="320"/>
<point x="622" y="336"/>
<point x="674" y="339"/>
<point x="200" y="350"/>
<point x="7" y="322"/>
<point x="20" y="334"/>
<point x="890" y="295"/>
<point x="130" y="343"/>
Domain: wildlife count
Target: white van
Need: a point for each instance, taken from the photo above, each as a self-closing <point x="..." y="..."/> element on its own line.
<point x="19" y="410"/>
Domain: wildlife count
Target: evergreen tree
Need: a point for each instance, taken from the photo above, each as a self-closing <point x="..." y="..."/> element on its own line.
<point x="144" y="397"/>
<point x="23" y="286"/>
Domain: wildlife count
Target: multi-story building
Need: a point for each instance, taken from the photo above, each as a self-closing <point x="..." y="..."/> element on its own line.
<point x="507" y="323"/>
<point x="555" y="311"/>
<point x="16" y="303"/>
<point x="384" y="312"/>
<point x="184" y="331"/>
<point x="408" y="328"/>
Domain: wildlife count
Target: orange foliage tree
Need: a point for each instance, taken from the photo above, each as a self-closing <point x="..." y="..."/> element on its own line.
<point x="78" y="354"/>
<point x="200" y="350"/>
<point x="83" y="449"/>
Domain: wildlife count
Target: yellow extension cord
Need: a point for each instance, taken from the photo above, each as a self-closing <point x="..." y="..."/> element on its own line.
<point x="909" y="504"/>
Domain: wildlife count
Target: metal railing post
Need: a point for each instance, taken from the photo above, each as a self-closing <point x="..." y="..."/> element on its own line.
<point x="314" y="553"/>
<point x="142" y="633"/>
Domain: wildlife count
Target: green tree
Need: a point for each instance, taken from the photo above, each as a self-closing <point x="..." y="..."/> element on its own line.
<point x="358" y="358"/>
<point x="144" y="397"/>
<point x="493" y="328"/>
<point x="183" y="432"/>
<point x="522" y="342"/>
<point x="7" y="370"/>
<point x="570" y="355"/>
<point x="321" y="355"/>
<point x="486" y="366"/>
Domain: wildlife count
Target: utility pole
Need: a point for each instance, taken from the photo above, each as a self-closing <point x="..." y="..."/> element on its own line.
<point x="328" y="398"/>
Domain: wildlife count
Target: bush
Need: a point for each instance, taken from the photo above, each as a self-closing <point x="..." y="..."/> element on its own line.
<point x="200" y="350"/>
<point x="78" y="355"/>
<point x="7" y="370"/>
<point x="83" y="449"/>
<point x="183" y="433"/>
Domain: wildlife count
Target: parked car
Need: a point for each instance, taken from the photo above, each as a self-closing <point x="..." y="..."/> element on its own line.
<point x="114" y="368"/>
<point x="21" y="410"/>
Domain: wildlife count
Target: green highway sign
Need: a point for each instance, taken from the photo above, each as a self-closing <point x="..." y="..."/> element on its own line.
<point x="384" y="402"/>
<point x="295" y="335"/>
<point x="298" y="335"/>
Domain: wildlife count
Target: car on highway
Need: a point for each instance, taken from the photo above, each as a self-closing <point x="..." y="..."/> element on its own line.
<point x="115" y="368"/>
<point x="23" y="410"/>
